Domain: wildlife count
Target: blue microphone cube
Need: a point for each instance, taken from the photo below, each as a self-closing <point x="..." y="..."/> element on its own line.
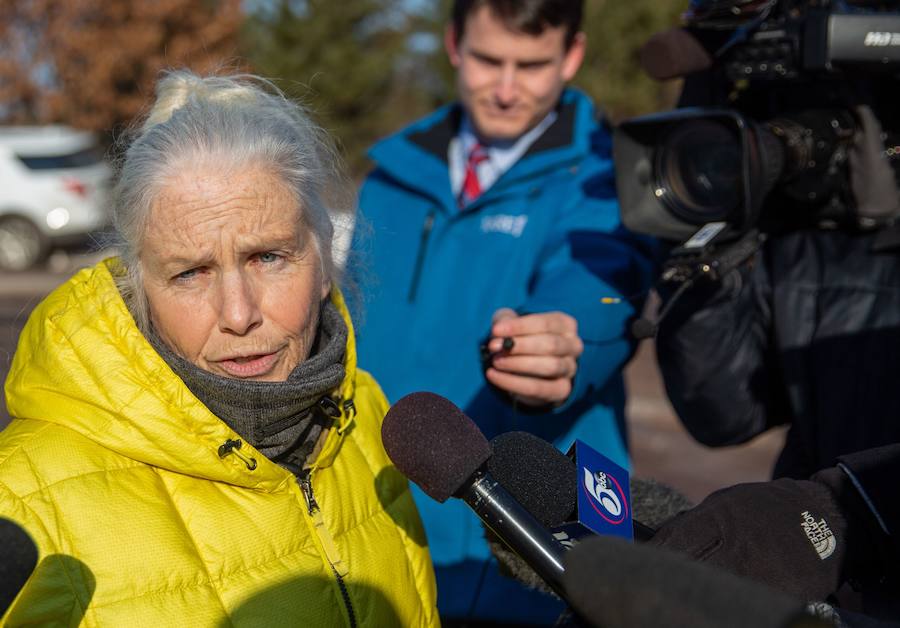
<point x="603" y="497"/>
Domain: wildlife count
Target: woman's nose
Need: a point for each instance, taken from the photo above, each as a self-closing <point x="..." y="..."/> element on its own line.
<point x="240" y="310"/>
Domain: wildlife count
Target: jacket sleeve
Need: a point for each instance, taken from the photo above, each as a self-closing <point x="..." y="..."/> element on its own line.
<point x="864" y="485"/>
<point x="714" y="352"/>
<point x="595" y="270"/>
<point x="874" y="474"/>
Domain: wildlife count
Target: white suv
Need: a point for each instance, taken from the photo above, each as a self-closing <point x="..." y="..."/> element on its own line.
<point x="53" y="189"/>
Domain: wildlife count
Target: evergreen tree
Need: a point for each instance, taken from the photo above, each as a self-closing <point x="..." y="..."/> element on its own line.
<point x="349" y="61"/>
<point x="610" y="73"/>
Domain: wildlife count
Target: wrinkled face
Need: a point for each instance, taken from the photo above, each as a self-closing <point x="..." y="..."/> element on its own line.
<point x="509" y="81"/>
<point x="233" y="279"/>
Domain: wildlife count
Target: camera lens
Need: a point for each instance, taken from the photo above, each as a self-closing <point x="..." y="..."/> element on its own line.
<point x="698" y="168"/>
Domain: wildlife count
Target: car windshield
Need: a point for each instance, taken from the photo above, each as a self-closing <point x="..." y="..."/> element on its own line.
<point x="87" y="157"/>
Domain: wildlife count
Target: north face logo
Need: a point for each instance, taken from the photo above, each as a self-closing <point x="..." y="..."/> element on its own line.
<point x="819" y="534"/>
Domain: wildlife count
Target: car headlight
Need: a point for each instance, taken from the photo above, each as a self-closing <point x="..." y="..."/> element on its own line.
<point x="57" y="218"/>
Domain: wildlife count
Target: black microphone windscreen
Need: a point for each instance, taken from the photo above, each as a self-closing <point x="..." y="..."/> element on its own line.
<point x="672" y="54"/>
<point x="614" y="584"/>
<point x="536" y="474"/>
<point x="433" y="443"/>
<point x="18" y="557"/>
<point x="642" y="328"/>
<point x="545" y="482"/>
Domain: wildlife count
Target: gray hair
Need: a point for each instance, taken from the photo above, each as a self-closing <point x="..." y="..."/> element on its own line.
<point x="232" y="122"/>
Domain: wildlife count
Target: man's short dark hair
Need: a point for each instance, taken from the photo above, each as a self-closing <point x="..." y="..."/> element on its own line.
<point x="531" y="17"/>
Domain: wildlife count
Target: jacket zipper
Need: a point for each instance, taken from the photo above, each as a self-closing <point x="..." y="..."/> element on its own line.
<point x="331" y="552"/>
<point x="427" y="226"/>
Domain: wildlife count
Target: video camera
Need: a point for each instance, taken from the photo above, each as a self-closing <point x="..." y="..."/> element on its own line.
<point x="768" y="118"/>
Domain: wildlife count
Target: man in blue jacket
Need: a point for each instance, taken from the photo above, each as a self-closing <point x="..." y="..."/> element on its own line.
<point x="500" y="275"/>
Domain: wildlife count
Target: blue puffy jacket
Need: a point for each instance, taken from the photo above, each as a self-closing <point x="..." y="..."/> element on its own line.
<point x="546" y="236"/>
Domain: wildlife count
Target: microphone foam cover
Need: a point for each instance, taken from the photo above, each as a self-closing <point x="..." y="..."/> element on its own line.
<point x="18" y="557"/>
<point x="673" y="53"/>
<point x="511" y="565"/>
<point x="433" y="443"/>
<point x="642" y="328"/>
<point x="612" y="583"/>
<point x="536" y="474"/>
<point x="653" y="503"/>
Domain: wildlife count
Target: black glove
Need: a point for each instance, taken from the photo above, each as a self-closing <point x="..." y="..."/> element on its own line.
<point x="793" y="535"/>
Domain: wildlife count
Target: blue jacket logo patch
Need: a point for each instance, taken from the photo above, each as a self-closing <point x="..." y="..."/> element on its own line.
<point x="502" y="223"/>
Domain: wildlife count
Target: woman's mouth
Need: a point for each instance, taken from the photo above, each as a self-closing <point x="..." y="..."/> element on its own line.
<point x="249" y="365"/>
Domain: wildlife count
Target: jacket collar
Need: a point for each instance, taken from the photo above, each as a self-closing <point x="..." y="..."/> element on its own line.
<point x="83" y="364"/>
<point x="416" y="157"/>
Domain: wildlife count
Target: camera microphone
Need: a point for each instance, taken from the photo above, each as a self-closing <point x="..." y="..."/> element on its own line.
<point x="643" y="328"/>
<point x="672" y="54"/>
<point x="697" y="259"/>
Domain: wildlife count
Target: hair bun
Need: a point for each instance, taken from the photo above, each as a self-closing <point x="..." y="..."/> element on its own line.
<point x="175" y="89"/>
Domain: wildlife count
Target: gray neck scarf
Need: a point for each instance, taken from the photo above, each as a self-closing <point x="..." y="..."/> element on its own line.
<point x="282" y="420"/>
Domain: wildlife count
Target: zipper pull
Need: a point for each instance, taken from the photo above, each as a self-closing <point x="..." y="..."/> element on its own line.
<point x="328" y="544"/>
<point x="233" y="446"/>
<point x="312" y="506"/>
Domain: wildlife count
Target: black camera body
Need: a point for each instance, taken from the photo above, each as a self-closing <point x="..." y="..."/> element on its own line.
<point x="765" y="128"/>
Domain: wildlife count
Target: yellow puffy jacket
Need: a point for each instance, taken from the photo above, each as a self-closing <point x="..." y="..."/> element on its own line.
<point x="142" y="518"/>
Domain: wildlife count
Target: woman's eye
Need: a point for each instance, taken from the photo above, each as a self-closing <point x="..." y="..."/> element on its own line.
<point x="268" y="257"/>
<point x="187" y="274"/>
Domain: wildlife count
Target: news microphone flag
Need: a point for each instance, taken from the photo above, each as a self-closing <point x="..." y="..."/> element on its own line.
<point x="603" y="497"/>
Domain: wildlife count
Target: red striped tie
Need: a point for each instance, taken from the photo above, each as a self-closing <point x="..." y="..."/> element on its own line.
<point x="471" y="188"/>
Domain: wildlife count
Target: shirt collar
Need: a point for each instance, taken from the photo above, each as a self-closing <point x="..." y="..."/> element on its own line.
<point x="502" y="155"/>
<point x="504" y="150"/>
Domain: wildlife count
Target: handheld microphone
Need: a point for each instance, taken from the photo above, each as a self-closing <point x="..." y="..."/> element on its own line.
<point x="613" y="584"/>
<point x="536" y="474"/>
<point x="439" y="448"/>
<point x="544" y="481"/>
<point x="18" y="557"/>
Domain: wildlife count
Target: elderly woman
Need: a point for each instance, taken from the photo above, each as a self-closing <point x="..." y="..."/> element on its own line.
<point x="192" y="441"/>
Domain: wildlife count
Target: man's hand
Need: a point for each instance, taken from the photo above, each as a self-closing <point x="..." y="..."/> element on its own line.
<point x="539" y="366"/>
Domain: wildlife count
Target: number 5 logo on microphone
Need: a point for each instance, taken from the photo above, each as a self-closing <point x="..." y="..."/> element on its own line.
<point x="600" y="486"/>
<point x="603" y="492"/>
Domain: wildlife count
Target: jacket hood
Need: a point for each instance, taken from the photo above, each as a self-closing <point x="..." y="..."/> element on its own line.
<point x="82" y="363"/>
<point x="425" y="144"/>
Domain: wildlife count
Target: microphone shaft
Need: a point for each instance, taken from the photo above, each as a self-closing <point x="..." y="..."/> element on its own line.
<point x="518" y="529"/>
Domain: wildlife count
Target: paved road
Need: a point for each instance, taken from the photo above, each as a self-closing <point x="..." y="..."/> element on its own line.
<point x="13" y="313"/>
<point x="661" y="447"/>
